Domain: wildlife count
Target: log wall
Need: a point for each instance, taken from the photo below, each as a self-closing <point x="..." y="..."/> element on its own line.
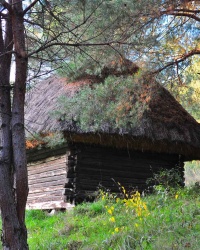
<point x="47" y="178"/>
<point x="94" y="166"/>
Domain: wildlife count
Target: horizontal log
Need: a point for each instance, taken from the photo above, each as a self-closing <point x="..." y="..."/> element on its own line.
<point x="93" y="184"/>
<point x="50" y="193"/>
<point x="44" y="153"/>
<point x="128" y="164"/>
<point x="61" y="181"/>
<point x="104" y="159"/>
<point x="101" y="173"/>
<point x="59" y="159"/>
<point x="106" y="151"/>
<point x="48" y="179"/>
<point x="131" y="166"/>
<point x="45" y="189"/>
<point x="114" y="189"/>
<point x="49" y="173"/>
<point x="46" y="168"/>
<point x="46" y="199"/>
<point x="52" y="177"/>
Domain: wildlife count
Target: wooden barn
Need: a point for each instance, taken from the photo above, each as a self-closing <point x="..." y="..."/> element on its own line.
<point x="153" y="131"/>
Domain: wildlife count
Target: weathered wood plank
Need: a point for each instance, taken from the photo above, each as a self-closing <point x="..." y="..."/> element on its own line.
<point x="125" y="163"/>
<point x="113" y="172"/>
<point x="46" y="189"/>
<point x="45" y="161"/>
<point x="84" y="182"/>
<point x="46" y="192"/>
<point x="46" y="181"/>
<point x="39" y="169"/>
<point x="50" y="193"/>
<point x="49" y="183"/>
<point x="107" y="152"/>
<point x="61" y="178"/>
<point x="52" y="174"/>
<point x="46" y="199"/>
<point x="44" y="153"/>
<point x="44" y="173"/>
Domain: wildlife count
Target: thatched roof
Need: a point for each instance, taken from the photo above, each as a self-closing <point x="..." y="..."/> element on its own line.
<point x="162" y="126"/>
<point x="41" y="101"/>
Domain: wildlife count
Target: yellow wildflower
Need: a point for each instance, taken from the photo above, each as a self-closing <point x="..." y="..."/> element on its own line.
<point x="112" y="219"/>
<point x="117" y="200"/>
<point x="110" y="211"/>
<point x="116" y="229"/>
<point x="144" y="206"/>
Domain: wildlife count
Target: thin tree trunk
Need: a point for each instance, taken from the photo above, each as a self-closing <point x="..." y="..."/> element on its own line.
<point x="12" y="147"/>
<point x="18" y="132"/>
<point x="10" y="222"/>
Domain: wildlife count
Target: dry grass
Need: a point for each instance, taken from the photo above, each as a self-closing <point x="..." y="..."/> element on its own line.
<point x="192" y="173"/>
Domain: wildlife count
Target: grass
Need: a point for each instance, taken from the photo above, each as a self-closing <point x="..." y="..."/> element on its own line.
<point x="171" y="220"/>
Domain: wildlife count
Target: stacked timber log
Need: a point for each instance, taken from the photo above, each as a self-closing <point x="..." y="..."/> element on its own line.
<point x="70" y="185"/>
<point x="46" y="183"/>
<point x="92" y="166"/>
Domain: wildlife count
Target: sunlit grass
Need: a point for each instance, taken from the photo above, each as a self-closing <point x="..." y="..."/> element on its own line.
<point x="172" y="222"/>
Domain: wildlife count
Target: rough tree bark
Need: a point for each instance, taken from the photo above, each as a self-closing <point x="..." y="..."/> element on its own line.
<point x="13" y="170"/>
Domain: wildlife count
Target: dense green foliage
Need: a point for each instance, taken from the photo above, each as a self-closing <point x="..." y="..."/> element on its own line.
<point x="109" y="104"/>
<point x="171" y="222"/>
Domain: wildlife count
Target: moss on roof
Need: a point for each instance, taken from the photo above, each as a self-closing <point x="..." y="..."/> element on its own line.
<point x="135" y="107"/>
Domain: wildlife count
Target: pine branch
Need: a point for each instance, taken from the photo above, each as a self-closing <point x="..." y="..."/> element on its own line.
<point x="30" y="6"/>
<point x="179" y="60"/>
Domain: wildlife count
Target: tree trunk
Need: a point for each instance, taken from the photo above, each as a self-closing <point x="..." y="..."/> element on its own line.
<point x="10" y="222"/>
<point x="13" y="196"/>
<point x="17" y="124"/>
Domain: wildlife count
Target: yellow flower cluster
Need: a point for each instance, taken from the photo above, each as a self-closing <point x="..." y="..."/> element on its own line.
<point x="132" y="202"/>
<point x="135" y="203"/>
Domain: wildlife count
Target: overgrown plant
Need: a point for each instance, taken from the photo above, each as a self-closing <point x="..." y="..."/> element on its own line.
<point x="131" y="203"/>
<point x="109" y="104"/>
<point x="166" y="178"/>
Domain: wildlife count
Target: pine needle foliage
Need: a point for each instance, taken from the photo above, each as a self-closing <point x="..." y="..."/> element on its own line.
<point x="114" y="103"/>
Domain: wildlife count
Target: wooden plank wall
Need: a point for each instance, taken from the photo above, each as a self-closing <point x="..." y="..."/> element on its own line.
<point x="97" y="166"/>
<point x="46" y="181"/>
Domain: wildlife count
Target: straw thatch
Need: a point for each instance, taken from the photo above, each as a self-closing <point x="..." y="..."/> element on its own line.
<point x="41" y="101"/>
<point x="164" y="125"/>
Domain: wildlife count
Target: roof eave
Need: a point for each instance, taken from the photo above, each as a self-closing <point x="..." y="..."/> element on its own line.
<point x="188" y="152"/>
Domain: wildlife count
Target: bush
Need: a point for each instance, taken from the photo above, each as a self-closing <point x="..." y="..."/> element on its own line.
<point x="167" y="179"/>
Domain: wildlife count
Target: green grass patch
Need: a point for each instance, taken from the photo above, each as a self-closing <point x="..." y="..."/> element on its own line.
<point x="170" y="221"/>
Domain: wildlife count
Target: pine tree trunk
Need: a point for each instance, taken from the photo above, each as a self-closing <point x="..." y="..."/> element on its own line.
<point x="17" y="124"/>
<point x="13" y="168"/>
